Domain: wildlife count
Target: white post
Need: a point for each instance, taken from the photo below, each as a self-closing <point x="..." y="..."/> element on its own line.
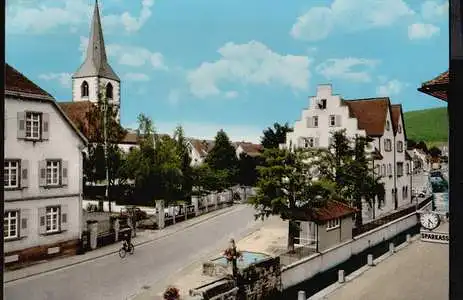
<point x="370" y="259"/>
<point x="391" y="248"/>
<point x="160" y="209"/>
<point x="409" y="238"/>
<point x="173" y="214"/>
<point x="185" y="211"/>
<point x="116" y="228"/>
<point x="301" y="295"/>
<point x="341" y="278"/>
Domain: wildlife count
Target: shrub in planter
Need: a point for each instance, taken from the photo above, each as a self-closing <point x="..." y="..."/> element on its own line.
<point x="171" y="293"/>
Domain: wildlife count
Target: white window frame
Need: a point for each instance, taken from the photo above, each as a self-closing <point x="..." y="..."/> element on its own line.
<point x="33" y="128"/>
<point x="389" y="170"/>
<point x="388" y="125"/>
<point x="315" y="121"/>
<point x="53" y="219"/>
<point x="8" y="169"/>
<point x="400" y="168"/>
<point x="400" y="146"/>
<point x="53" y="173"/>
<point x="333" y="224"/>
<point x="8" y="221"/>
<point x="387" y="145"/>
<point x="332" y="120"/>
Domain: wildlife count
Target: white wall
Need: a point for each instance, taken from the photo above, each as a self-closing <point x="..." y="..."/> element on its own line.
<point x="308" y="267"/>
<point x="63" y="143"/>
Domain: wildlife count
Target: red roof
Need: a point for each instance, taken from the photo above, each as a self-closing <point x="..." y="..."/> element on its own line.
<point x="15" y="81"/>
<point x="331" y="210"/>
<point x="250" y="148"/>
<point x="370" y="113"/>
<point x="437" y="87"/>
<point x="202" y="146"/>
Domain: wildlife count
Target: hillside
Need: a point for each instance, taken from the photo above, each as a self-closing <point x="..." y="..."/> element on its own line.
<point x="429" y="125"/>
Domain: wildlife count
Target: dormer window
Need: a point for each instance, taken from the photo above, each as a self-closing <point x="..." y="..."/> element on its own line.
<point x="109" y="91"/>
<point x="84" y="89"/>
<point x="322" y="104"/>
<point x="388" y="125"/>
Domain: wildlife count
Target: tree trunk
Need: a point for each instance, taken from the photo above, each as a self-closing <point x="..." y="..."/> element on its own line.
<point x="358" y="218"/>
<point x="292" y="227"/>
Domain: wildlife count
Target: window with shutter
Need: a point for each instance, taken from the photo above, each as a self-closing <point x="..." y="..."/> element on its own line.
<point x="21" y="117"/>
<point x="64" y="172"/>
<point x="64" y="218"/>
<point x="315" y="121"/>
<point x="332" y="120"/>
<point x="25" y="216"/>
<point x="11" y="174"/>
<point x="42" y="173"/>
<point x="24" y="173"/>
<point x="45" y="126"/>
<point x="11" y="224"/>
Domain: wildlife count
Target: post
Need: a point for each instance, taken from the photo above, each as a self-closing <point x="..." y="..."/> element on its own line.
<point x="391" y="248"/>
<point x="301" y="295"/>
<point x="185" y="211"/>
<point x="341" y="278"/>
<point x="173" y="214"/>
<point x="370" y="260"/>
<point x="409" y="238"/>
<point x="161" y="217"/>
<point x="116" y="228"/>
<point x="105" y="134"/>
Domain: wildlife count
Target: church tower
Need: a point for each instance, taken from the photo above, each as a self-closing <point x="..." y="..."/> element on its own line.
<point x="95" y="76"/>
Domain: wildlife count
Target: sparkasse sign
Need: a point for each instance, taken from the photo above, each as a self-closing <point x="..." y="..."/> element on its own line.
<point x="435" y="237"/>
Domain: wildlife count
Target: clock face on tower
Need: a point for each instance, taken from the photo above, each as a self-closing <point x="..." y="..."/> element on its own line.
<point x="430" y="220"/>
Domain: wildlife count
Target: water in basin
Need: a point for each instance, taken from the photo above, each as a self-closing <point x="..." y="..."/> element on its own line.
<point x="247" y="259"/>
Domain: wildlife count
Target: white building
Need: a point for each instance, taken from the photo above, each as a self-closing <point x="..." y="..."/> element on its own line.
<point x="199" y="149"/>
<point x="43" y="174"/>
<point x="250" y="149"/>
<point x="376" y="118"/>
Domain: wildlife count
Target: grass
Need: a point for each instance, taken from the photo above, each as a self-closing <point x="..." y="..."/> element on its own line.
<point x="428" y="125"/>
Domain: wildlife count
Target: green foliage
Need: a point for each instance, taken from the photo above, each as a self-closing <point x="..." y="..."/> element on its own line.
<point x="429" y="125"/>
<point x="435" y="152"/>
<point x="275" y="136"/>
<point x="247" y="169"/>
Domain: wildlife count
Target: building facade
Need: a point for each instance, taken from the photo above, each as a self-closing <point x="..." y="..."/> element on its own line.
<point x="376" y="118"/>
<point x="42" y="174"/>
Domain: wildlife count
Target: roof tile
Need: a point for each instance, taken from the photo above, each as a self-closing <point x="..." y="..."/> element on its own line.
<point x="15" y="81"/>
<point x="371" y="114"/>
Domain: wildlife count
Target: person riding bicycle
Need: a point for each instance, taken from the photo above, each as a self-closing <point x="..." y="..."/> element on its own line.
<point x="126" y="242"/>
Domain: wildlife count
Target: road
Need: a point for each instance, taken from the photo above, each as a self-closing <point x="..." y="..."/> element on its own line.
<point x="113" y="278"/>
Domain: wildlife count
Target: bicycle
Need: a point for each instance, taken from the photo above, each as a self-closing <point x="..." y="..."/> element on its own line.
<point x="126" y="247"/>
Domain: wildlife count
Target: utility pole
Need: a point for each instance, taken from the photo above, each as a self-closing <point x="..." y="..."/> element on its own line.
<point x="105" y="136"/>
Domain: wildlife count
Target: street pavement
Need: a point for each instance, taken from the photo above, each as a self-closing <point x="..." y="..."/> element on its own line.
<point x="420" y="271"/>
<point x="110" y="277"/>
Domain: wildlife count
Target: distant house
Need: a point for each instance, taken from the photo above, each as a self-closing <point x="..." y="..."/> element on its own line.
<point x="250" y="149"/>
<point x="376" y="118"/>
<point x="327" y="226"/>
<point x="199" y="149"/>
<point x="42" y="174"/>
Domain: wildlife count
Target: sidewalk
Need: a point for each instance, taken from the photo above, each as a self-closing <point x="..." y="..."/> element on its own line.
<point x="143" y="237"/>
<point x="270" y="237"/>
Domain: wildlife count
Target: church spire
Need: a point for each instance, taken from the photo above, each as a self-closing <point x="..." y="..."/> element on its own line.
<point x="96" y="61"/>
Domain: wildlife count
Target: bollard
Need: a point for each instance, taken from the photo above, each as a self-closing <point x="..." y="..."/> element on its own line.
<point x="391" y="248"/>
<point x="341" y="276"/>
<point x="301" y="295"/>
<point x="370" y="259"/>
<point x="409" y="238"/>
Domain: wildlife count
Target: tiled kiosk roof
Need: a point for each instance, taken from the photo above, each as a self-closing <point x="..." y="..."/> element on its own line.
<point x="437" y="87"/>
<point x="331" y="210"/>
<point x="18" y="85"/>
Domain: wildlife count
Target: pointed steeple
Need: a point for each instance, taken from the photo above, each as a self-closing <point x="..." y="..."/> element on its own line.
<point x="96" y="61"/>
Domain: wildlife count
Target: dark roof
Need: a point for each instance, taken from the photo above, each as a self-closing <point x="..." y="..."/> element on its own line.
<point x="250" y="148"/>
<point x="437" y="87"/>
<point x="398" y="114"/>
<point x="370" y="113"/>
<point x="16" y="84"/>
<point x="331" y="210"/>
<point x="202" y="146"/>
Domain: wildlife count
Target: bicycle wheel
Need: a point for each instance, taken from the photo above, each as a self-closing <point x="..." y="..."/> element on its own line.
<point x="132" y="248"/>
<point x="122" y="252"/>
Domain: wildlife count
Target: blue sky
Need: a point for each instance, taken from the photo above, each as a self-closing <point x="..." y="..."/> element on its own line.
<point x="234" y="64"/>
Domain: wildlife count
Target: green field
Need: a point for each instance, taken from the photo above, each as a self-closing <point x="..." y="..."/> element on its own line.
<point x="428" y="125"/>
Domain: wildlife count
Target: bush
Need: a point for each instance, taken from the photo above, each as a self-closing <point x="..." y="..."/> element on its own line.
<point x="171" y="293"/>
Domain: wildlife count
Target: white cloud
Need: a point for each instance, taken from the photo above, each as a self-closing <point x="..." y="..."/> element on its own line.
<point x="252" y="63"/>
<point x="201" y="130"/>
<point x="351" y="68"/>
<point x="129" y="55"/>
<point x="432" y="10"/>
<point x="390" y="88"/>
<point x="231" y="94"/>
<point x="136" y="77"/>
<point x="64" y="79"/>
<point x="422" y="31"/>
<point x="318" y="22"/>
<point x="39" y="17"/>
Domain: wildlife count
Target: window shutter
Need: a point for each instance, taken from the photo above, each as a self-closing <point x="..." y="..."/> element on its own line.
<point x="45" y="126"/>
<point x="24" y="225"/>
<point x="21" y="116"/>
<point x="64" y="217"/>
<point x="316" y="142"/>
<point x="42" y="173"/>
<point x="24" y="173"/>
<point x="338" y="121"/>
<point x="64" y="172"/>
<point x="42" y="220"/>
<point x="309" y="122"/>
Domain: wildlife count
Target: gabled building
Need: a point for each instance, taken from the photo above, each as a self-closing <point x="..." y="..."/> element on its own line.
<point x="376" y="118"/>
<point x="199" y="149"/>
<point x="250" y="149"/>
<point x="42" y="174"/>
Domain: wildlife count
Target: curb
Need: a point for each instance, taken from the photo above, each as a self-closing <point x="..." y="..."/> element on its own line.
<point x="116" y="251"/>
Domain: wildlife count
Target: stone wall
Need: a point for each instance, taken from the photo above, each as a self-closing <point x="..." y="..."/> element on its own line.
<point x="261" y="280"/>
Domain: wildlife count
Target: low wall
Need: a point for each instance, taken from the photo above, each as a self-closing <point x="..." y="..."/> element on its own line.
<point x="307" y="268"/>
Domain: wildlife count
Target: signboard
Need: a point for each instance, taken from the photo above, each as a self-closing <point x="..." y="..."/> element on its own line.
<point x="435" y="237"/>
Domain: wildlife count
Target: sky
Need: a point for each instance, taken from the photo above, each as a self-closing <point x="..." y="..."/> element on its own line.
<point x="235" y="65"/>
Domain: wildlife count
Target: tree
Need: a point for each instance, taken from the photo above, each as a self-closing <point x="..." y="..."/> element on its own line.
<point x="247" y="169"/>
<point x="285" y="189"/>
<point x="422" y="146"/>
<point x="435" y="152"/>
<point x="411" y="144"/>
<point x="183" y="152"/>
<point x="275" y="136"/>
<point x="222" y="159"/>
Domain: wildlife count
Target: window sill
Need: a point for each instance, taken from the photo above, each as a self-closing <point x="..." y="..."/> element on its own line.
<point x="6" y="189"/>
<point x="53" y="233"/>
<point x="33" y="140"/>
<point x="332" y="228"/>
<point x="53" y="186"/>
<point x="7" y="240"/>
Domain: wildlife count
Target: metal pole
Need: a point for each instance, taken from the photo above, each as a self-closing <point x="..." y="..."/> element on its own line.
<point x="105" y="133"/>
